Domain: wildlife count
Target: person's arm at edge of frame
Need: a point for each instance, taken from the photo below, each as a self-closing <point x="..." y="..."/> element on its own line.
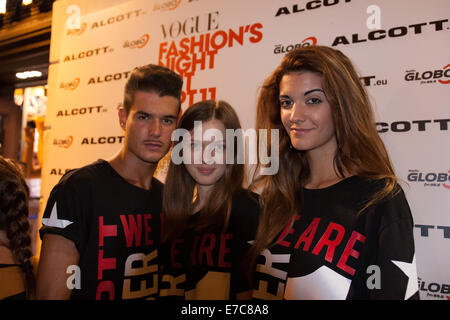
<point x="57" y="254"/>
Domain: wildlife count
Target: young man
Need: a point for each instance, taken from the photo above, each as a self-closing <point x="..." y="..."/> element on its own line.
<point x="102" y="222"/>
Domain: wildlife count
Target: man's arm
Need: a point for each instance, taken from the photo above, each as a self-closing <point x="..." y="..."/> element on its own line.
<point x="57" y="254"/>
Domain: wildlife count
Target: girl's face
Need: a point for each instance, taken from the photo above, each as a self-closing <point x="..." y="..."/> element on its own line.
<point x="212" y="152"/>
<point x="305" y="112"/>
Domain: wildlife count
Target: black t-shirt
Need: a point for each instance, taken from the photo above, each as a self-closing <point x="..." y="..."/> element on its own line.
<point x="115" y="227"/>
<point x="332" y="252"/>
<point x="211" y="265"/>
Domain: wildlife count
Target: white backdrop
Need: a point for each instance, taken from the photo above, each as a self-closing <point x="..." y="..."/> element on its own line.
<point x="225" y="50"/>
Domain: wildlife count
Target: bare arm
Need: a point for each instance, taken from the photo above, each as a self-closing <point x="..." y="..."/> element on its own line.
<point x="57" y="254"/>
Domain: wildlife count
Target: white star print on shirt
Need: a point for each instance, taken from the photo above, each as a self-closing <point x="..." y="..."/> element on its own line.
<point x="53" y="220"/>
<point x="411" y="272"/>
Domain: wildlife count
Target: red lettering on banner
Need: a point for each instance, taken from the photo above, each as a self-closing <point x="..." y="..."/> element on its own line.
<point x="308" y="235"/>
<point x="190" y="54"/>
<point x="105" y="231"/>
<point x="223" y="250"/>
<point x="132" y="229"/>
<point x="207" y="250"/>
<point x="105" y="286"/>
<point x="288" y="230"/>
<point x="326" y="241"/>
<point x="349" y="251"/>
<point x="104" y="264"/>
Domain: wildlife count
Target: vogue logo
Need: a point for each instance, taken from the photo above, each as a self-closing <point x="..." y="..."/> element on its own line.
<point x="139" y="43"/>
<point x="394" y="32"/>
<point x="80" y="111"/>
<point x="310" y="41"/>
<point x="109" y="77"/>
<point x="63" y="143"/>
<point x="102" y="140"/>
<point x="415" y="125"/>
<point x="310" y="5"/>
<point x="71" y="85"/>
<point x="430" y="76"/>
<point x="191" y="25"/>
<point x="88" y="53"/>
<point x="430" y="179"/>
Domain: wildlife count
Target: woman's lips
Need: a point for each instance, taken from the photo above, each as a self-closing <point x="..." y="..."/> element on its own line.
<point x="205" y="170"/>
<point x="300" y="131"/>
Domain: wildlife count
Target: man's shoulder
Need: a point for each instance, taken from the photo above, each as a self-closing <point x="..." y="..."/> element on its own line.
<point x="86" y="174"/>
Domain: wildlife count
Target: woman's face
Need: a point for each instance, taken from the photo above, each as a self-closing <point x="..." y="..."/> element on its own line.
<point x="305" y="112"/>
<point x="211" y="151"/>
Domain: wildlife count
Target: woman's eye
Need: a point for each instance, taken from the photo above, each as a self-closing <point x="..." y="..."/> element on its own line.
<point x="286" y="103"/>
<point x="314" y="101"/>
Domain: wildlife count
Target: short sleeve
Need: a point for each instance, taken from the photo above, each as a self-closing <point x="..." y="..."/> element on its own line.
<point x="67" y="210"/>
<point x="396" y="252"/>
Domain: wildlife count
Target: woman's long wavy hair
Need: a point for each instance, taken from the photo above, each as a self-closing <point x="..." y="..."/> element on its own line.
<point x="179" y="189"/>
<point x="360" y="151"/>
<point x="14" y="219"/>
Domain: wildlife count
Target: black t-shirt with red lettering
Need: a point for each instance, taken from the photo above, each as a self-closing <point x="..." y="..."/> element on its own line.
<point x="115" y="227"/>
<point x="332" y="252"/>
<point x="211" y="265"/>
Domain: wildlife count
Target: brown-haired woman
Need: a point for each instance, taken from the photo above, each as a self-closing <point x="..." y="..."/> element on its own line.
<point x="335" y="224"/>
<point x="16" y="271"/>
<point x="209" y="217"/>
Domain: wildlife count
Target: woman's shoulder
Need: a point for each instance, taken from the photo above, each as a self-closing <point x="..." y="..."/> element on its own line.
<point x="246" y="199"/>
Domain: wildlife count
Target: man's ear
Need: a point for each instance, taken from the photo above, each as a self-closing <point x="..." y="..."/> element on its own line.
<point x="123" y="118"/>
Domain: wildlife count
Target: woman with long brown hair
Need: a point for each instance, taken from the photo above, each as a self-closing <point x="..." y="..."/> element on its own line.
<point x="208" y="217"/>
<point x="335" y="222"/>
<point x="17" y="279"/>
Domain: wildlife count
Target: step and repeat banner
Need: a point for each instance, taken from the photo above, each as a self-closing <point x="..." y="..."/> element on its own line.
<point x="225" y="50"/>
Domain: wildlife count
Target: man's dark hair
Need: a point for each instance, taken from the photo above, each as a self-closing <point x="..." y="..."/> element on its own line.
<point x="152" y="78"/>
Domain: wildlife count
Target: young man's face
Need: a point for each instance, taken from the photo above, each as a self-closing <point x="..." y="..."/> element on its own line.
<point x="148" y="125"/>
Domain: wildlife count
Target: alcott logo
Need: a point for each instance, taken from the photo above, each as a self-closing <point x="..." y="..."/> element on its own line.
<point x="119" y="18"/>
<point x="430" y="76"/>
<point x="139" y="43"/>
<point x="394" y="32"/>
<point x="109" y="77"/>
<point x="58" y="172"/>
<point x="88" y="53"/>
<point x="166" y="5"/>
<point x="430" y="179"/>
<point x="371" y="81"/>
<point x="80" y="111"/>
<point x="415" y="125"/>
<point x="71" y="85"/>
<point x="310" y="5"/>
<point x="102" y="140"/>
<point x="63" y="143"/>
<point x="310" y="41"/>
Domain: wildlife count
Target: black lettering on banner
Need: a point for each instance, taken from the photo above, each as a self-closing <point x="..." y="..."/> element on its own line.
<point x="310" y="5"/>
<point x="393" y="32"/>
